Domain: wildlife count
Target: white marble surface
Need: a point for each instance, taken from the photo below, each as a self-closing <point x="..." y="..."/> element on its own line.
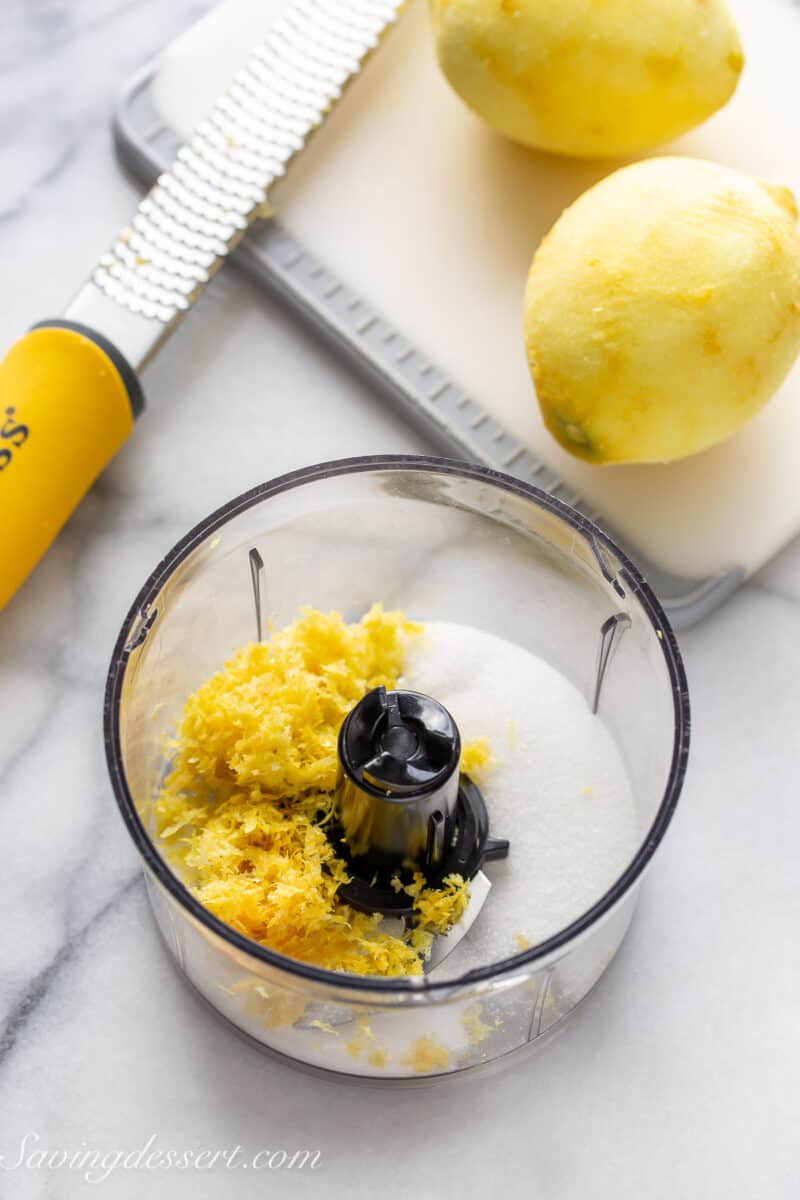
<point x="677" y="1079"/>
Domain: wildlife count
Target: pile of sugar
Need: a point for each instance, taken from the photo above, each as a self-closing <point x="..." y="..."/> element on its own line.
<point x="558" y="789"/>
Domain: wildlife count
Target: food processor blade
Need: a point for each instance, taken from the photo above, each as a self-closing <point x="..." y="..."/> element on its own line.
<point x="445" y="943"/>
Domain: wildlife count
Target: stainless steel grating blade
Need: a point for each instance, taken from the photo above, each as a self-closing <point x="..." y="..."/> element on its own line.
<point x="200" y="208"/>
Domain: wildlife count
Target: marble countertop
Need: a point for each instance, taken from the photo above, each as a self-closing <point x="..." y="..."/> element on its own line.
<point x="677" y="1079"/>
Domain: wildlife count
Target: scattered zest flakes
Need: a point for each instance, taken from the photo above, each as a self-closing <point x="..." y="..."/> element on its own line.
<point x="364" y="1027"/>
<point x="426" y="1054"/>
<point x="273" y="1007"/>
<point x="476" y="756"/>
<point x="476" y="1028"/>
<point x="325" y="1026"/>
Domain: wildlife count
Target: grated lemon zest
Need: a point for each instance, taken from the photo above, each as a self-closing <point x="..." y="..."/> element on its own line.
<point x="476" y="1028"/>
<point x="324" y="1026"/>
<point x="426" y="1054"/>
<point x="476" y="756"/>
<point x="254" y="764"/>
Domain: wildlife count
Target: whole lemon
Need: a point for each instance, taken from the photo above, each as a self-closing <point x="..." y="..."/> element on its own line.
<point x="589" y="77"/>
<point x="662" y="310"/>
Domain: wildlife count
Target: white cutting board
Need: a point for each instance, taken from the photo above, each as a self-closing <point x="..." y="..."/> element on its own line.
<point x="433" y="218"/>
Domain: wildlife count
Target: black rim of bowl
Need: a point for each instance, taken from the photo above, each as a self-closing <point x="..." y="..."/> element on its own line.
<point x="412" y="986"/>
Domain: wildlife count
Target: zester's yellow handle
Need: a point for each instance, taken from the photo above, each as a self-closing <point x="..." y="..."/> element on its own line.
<point x="65" y="410"/>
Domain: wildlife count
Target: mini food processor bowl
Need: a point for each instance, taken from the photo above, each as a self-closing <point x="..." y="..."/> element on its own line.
<point x="440" y="540"/>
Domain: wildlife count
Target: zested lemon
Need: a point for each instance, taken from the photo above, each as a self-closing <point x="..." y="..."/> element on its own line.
<point x="663" y="310"/>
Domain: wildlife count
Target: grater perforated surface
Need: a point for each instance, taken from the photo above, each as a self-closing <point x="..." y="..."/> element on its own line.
<point x="200" y="208"/>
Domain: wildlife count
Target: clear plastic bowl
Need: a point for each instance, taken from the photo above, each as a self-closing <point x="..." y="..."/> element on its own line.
<point x="497" y="554"/>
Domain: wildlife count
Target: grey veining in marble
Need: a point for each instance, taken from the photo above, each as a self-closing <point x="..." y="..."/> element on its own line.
<point x="677" y="1079"/>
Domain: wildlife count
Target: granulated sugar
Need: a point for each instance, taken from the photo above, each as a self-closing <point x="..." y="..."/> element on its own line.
<point x="558" y="789"/>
